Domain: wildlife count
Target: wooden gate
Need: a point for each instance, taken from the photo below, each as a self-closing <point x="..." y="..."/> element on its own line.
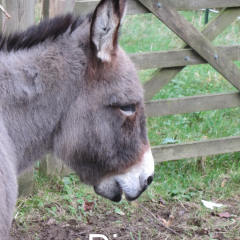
<point x="197" y="50"/>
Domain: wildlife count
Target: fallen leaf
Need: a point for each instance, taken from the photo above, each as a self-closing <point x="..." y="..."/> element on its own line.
<point x="51" y="221"/>
<point x="162" y="201"/>
<point x="223" y="183"/>
<point x="161" y="205"/>
<point x="194" y="222"/>
<point x="58" y="187"/>
<point x="203" y="232"/>
<point x="224" y="215"/>
<point x="72" y="222"/>
<point x="165" y="222"/>
<point x="65" y="225"/>
<point x="134" y="204"/>
<point x="88" y="221"/>
<point x="170" y="141"/>
<point x="211" y="205"/>
<point x="88" y="205"/>
<point x="119" y="211"/>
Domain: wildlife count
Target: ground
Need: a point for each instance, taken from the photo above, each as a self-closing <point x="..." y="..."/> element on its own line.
<point x="189" y="221"/>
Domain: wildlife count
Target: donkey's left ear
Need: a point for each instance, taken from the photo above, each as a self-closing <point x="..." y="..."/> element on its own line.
<point x="105" y="25"/>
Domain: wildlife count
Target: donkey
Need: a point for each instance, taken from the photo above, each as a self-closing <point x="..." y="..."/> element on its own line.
<point x="67" y="87"/>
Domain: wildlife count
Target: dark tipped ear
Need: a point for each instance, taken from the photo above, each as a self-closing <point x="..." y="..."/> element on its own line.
<point x="105" y="25"/>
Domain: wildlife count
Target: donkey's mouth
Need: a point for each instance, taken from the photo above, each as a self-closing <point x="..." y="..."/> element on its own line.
<point x="133" y="183"/>
<point x="112" y="191"/>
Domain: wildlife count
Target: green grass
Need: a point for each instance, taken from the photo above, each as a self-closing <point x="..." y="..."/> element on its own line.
<point x="199" y="178"/>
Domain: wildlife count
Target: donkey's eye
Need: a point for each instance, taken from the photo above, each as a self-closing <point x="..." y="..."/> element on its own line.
<point x="128" y="109"/>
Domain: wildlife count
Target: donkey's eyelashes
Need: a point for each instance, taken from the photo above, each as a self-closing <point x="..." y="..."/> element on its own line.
<point x="128" y="109"/>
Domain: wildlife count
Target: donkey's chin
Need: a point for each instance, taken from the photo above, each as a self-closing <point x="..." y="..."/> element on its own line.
<point x="133" y="183"/>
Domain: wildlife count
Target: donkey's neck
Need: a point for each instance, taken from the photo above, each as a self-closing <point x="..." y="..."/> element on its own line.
<point x="36" y="88"/>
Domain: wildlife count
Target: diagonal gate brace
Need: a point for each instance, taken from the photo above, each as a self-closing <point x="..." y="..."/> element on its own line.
<point x="163" y="76"/>
<point x="170" y="17"/>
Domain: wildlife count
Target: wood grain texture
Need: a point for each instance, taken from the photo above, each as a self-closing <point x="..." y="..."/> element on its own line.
<point x="195" y="149"/>
<point x="183" y="5"/>
<point x="25" y="182"/>
<point x="45" y="9"/>
<point x="135" y="7"/>
<point x="22" y="14"/>
<point x="50" y="164"/>
<point x="60" y="7"/>
<point x="163" y="76"/>
<point x="177" y="58"/>
<point x="85" y="7"/>
<point x="198" y="103"/>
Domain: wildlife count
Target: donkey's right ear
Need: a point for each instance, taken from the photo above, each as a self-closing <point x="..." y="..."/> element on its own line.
<point x="105" y="25"/>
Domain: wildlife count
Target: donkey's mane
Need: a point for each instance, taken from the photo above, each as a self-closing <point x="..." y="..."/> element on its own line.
<point x="46" y="29"/>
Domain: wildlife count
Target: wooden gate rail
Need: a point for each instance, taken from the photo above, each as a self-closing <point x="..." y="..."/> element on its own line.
<point x="178" y="57"/>
<point x="135" y="7"/>
<point x="198" y="103"/>
<point x="195" y="149"/>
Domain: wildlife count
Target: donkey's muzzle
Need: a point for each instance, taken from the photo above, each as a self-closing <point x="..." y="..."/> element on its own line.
<point x="110" y="189"/>
<point x="133" y="183"/>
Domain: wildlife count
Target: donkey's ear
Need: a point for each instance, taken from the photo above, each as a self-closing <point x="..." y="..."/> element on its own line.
<point x="105" y="25"/>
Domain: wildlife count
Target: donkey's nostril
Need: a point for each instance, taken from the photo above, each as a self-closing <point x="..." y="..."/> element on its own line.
<point x="149" y="180"/>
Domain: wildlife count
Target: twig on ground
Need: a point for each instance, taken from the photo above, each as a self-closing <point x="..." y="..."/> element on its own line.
<point x="23" y="203"/>
<point x="169" y="229"/>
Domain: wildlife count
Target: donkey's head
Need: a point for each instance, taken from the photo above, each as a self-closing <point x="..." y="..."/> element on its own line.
<point x="104" y="135"/>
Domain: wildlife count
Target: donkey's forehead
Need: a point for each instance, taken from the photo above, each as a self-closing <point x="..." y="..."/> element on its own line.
<point x="124" y="80"/>
<point x="122" y="89"/>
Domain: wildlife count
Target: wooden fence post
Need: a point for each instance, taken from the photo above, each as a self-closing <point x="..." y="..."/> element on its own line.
<point x="45" y="9"/>
<point x="52" y="165"/>
<point x="2" y="17"/>
<point x="25" y="182"/>
<point x="22" y="15"/>
<point x="60" y="6"/>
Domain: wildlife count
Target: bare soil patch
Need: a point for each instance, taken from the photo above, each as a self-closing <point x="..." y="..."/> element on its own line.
<point x="191" y="221"/>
